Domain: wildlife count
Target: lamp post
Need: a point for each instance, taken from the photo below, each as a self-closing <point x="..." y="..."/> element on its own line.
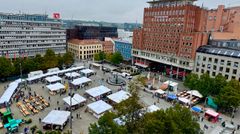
<point x="71" y="96"/>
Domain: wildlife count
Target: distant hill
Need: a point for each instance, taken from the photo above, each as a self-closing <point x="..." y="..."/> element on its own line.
<point x="126" y="26"/>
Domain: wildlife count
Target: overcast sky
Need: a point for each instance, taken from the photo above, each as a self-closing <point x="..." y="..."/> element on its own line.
<point x="100" y="10"/>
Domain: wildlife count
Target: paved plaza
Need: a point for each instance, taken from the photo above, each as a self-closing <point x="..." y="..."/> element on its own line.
<point x="81" y="125"/>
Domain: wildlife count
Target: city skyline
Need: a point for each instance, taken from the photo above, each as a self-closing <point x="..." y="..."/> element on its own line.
<point x="114" y="11"/>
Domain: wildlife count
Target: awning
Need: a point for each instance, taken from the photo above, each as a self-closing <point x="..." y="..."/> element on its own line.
<point x="184" y="100"/>
<point x="56" y="117"/>
<point x="97" y="91"/>
<point x="55" y="87"/>
<point x="172" y="96"/>
<point x="212" y="113"/>
<point x="53" y="79"/>
<point x="99" y="107"/>
<point x="195" y="93"/>
<point x="160" y="91"/>
<point x="196" y="109"/>
<point x="141" y="65"/>
<point x="119" y="96"/>
<point x="81" y="81"/>
<point x="87" y="71"/>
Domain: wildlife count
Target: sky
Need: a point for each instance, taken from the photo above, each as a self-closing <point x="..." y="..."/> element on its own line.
<point x="99" y="10"/>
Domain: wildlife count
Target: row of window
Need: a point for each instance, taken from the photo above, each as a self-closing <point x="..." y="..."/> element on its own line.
<point x="219" y="61"/>
<point x="166" y="12"/>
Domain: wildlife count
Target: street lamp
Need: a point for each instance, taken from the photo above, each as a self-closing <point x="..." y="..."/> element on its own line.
<point x="71" y="96"/>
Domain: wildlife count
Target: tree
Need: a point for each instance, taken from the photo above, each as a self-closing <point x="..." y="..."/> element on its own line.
<point x="50" y="59"/>
<point x="108" y="56"/>
<point x="219" y="82"/>
<point x="39" y="61"/>
<point x="229" y="96"/>
<point x="68" y="59"/>
<point x="175" y="120"/>
<point x="100" y="56"/>
<point x="106" y="125"/>
<point x="6" y="67"/>
<point x="29" y="65"/>
<point x="191" y="81"/>
<point x="116" y="58"/>
<point x="205" y="84"/>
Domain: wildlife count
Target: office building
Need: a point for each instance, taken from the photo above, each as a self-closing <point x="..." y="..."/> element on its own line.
<point x="84" y="49"/>
<point x="88" y="31"/>
<point x="107" y="46"/>
<point x="124" y="34"/>
<point x="124" y="46"/>
<point x="30" y="34"/>
<point x="218" y="60"/>
<point x="172" y="31"/>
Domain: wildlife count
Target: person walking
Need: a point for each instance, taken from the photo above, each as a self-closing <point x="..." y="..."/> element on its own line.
<point x="77" y="115"/>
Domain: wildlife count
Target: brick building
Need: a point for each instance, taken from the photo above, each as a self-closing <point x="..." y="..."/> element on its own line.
<point x="224" y="23"/>
<point x="108" y="46"/>
<point x="172" y="31"/>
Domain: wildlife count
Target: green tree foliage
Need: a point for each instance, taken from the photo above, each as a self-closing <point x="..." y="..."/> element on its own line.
<point x="6" y="67"/>
<point x="39" y="62"/>
<point x="100" y="56"/>
<point x="175" y="120"/>
<point x="68" y="59"/>
<point x="106" y="125"/>
<point x="29" y="65"/>
<point x="50" y="59"/>
<point x="219" y="82"/>
<point x="229" y="96"/>
<point x="109" y="56"/>
<point x="191" y="81"/>
<point x="116" y="58"/>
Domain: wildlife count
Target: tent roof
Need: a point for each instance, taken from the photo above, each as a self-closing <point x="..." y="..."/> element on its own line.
<point x="164" y="86"/>
<point x="171" y="83"/>
<point x="77" y="99"/>
<point x="212" y="113"/>
<point x="53" y="79"/>
<point x="99" y="107"/>
<point x="80" y="81"/>
<point x="184" y="100"/>
<point x="97" y="91"/>
<point x="119" y="96"/>
<point x="55" y="87"/>
<point x="160" y="91"/>
<point x="96" y="64"/>
<point x="196" y="109"/>
<point x="152" y="108"/>
<point x="56" y="117"/>
<point x="87" y="71"/>
<point x="9" y="92"/>
<point x="195" y="93"/>
<point x="73" y="74"/>
<point x="172" y="96"/>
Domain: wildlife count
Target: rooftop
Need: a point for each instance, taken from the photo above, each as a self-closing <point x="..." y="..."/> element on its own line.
<point x="208" y="49"/>
<point x="157" y="1"/>
<point x="84" y="42"/>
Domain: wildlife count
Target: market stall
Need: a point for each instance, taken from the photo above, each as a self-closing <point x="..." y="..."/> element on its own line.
<point x="98" y="108"/>
<point x="118" y="97"/>
<point x="211" y="115"/>
<point x="98" y="93"/>
<point x="53" y="79"/>
<point x="87" y="72"/>
<point x="152" y="108"/>
<point x="56" y="120"/>
<point x="80" y="82"/>
<point x="159" y="93"/>
<point x="55" y="88"/>
<point x="77" y="101"/>
<point x="72" y="75"/>
<point x="184" y="101"/>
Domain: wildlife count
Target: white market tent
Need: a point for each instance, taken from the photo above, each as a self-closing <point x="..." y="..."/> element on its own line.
<point x="56" y="117"/>
<point x="53" y="79"/>
<point x="96" y="64"/>
<point x="97" y="91"/>
<point x="99" y="107"/>
<point x="119" y="96"/>
<point x="32" y="78"/>
<point x="72" y="75"/>
<point x="212" y="113"/>
<point x="160" y="91"/>
<point x="77" y="99"/>
<point x="55" y="87"/>
<point x="152" y="108"/>
<point x="6" y="97"/>
<point x="195" y="93"/>
<point x="184" y="100"/>
<point x="81" y="81"/>
<point x="87" y="71"/>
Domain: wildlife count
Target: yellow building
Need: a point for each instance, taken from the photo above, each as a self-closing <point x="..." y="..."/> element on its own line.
<point x="84" y="49"/>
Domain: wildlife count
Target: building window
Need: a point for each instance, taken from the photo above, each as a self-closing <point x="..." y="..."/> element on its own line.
<point x="227" y="70"/>
<point x="210" y="17"/>
<point x="233" y="77"/>
<point x="197" y="69"/>
<point x="235" y="64"/>
<point x="214" y="67"/>
<point x="204" y="58"/>
<point x="222" y="62"/>
<point x="210" y="60"/>
<point x="221" y="69"/>
<point x="234" y="71"/>
<point x="202" y="71"/>
<point x="215" y="60"/>
<point x="228" y="63"/>
<point x="213" y="73"/>
<point x="226" y="76"/>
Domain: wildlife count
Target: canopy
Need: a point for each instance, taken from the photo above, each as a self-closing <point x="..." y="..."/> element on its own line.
<point x="6" y="97"/>
<point x="55" y="87"/>
<point x="96" y="64"/>
<point x="77" y="99"/>
<point x="196" y="109"/>
<point x="173" y="84"/>
<point x="152" y="108"/>
<point x="211" y="103"/>
<point x="164" y="86"/>
<point x="160" y="91"/>
<point x="184" y="100"/>
<point x="87" y="71"/>
<point x="97" y="91"/>
<point x="172" y="96"/>
<point x="56" y="117"/>
<point x="81" y="81"/>
<point x="212" y="113"/>
<point x="72" y="75"/>
<point x="55" y="73"/>
<point x="99" y="107"/>
<point x="195" y="93"/>
<point x="53" y="79"/>
<point x="119" y="96"/>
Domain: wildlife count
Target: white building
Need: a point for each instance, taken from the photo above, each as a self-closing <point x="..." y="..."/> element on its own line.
<point x="30" y="34"/>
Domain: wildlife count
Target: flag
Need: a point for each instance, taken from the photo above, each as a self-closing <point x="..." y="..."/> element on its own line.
<point x="56" y="15"/>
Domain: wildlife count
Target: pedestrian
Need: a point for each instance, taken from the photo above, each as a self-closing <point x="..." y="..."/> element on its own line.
<point x="35" y="93"/>
<point x="202" y="119"/>
<point x="49" y="98"/>
<point x="154" y="103"/>
<point x="77" y="115"/>
<point x="80" y="116"/>
<point x="25" y="130"/>
<point x="238" y="127"/>
<point x="40" y="119"/>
